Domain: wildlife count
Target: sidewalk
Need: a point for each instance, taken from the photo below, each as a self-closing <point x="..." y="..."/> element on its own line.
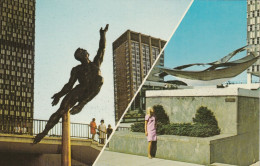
<point x="109" y="158"/>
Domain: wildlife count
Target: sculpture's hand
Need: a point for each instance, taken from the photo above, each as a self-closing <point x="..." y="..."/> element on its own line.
<point x="105" y="30"/>
<point x="56" y="99"/>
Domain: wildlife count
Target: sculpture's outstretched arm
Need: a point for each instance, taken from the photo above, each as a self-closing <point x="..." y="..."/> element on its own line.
<point x="67" y="87"/>
<point x="102" y="44"/>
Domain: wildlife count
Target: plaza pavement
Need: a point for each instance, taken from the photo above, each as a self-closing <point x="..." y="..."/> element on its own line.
<point x="109" y="158"/>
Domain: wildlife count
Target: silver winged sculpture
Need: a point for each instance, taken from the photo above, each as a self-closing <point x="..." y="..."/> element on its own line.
<point x="218" y="72"/>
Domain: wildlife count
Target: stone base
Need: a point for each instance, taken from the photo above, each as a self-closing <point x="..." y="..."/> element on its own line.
<point x="237" y="113"/>
<point x="224" y="148"/>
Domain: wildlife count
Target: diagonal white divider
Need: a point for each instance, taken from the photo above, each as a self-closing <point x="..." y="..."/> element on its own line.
<point x="158" y="57"/>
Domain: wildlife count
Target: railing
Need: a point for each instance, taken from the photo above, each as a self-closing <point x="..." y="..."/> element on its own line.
<point x="241" y="82"/>
<point x="123" y="129"/>
<point x="132" y="119"/>
<point x="30" y="126"/>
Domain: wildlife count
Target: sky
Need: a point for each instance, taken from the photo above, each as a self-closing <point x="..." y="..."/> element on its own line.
<point x="64" y="25"/>
<point x="209" y="31"/>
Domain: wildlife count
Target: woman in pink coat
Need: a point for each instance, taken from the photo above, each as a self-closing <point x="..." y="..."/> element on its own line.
<point x="150" y="129"/>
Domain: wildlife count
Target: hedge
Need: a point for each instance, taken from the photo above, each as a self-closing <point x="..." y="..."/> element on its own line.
<point x="204" y="125"/>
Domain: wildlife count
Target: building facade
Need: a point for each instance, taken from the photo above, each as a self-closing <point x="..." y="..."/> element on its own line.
<point x="17" y="41"/>
<point x="253" y="34"/>
<point x="133" y="56"/>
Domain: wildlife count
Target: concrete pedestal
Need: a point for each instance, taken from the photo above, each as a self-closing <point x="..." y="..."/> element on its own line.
<point x="237" y="113"/>
<point x="66" y="147"/>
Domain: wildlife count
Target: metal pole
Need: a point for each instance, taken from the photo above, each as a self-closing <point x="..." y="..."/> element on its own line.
<point x="66" y="148"/>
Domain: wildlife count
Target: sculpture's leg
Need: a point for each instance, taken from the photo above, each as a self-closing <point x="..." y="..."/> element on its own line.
<point x="54" y="119"/>
<point x="76" y="109"/>
<point x="66" y="104"/>
<point x="69" y="100"/>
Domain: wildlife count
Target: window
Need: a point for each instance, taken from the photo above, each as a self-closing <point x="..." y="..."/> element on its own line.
<point x="6" y="102"/>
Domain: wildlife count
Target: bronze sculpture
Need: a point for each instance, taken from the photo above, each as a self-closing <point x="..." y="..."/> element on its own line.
<point x="90" y="81"/>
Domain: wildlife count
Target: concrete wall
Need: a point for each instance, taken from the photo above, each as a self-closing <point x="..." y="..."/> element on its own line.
<point x="248" y="115"/>
<point x="183" y="109"/>
<point x="20" y="147"/>
<point x="237" y="113"/>
<point x="243" y="148"/>
<point x="236" y="110"/>
<point x="224" y="148"/>
<point x="179" y="148"/>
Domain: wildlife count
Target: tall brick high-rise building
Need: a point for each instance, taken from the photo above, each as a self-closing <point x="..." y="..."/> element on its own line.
<point x="133" y="56"/>
<point x="17" y="37"/>
<point x="253" y="34"/>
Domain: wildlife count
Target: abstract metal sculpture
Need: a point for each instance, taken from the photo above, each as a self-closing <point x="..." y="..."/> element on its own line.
<point x="218" y="72"/>
<point x="90" y="81"/>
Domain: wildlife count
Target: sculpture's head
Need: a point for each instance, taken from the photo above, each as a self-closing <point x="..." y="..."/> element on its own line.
<point x="81" y="54"/>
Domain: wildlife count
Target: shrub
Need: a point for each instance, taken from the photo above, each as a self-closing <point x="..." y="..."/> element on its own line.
<point x="160" y="114"/>
<point x="140" y="111"/>
<point x="204" y="130"/>
<point x="178" y="129"/>
<point x="188" y="129"/>
<point x="137" y="127"/>
<point x="160" y="130"/>
<point x="205" y="116"/>
<point x="127" y="115"/>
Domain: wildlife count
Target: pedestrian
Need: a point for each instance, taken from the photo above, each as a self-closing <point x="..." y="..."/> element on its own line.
<point x="102" y="131"/>
<point x="17" y="129"/>
<point x="93" y="127"/>
<point x="109" y="132"/>
<point x="150" y="129"/>
<point x="24" y="129"/>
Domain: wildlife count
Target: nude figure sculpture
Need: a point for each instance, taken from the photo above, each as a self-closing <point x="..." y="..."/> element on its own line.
<point x="90" y="81"/>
